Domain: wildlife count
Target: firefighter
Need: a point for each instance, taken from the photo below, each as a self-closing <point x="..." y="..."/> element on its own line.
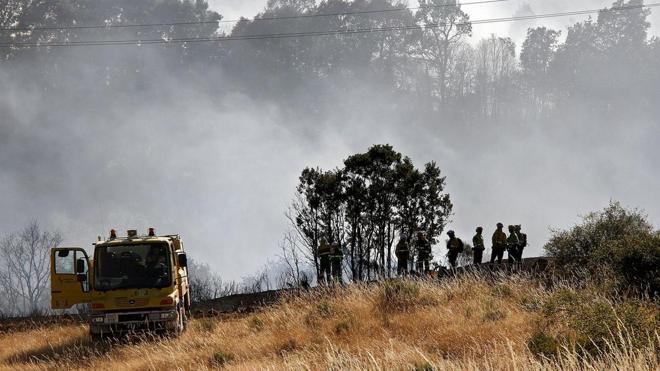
<point x="336" y="259"/>
<point x="155" y="266"/>
<point x="499" y="244"/>
<point x="402" y="255"/>
<point x="478" y="246"/>
<point x="324" y="262"/>
<point x="454" y="247"/>
<point x="512" y="244"/>
<point x="522" y="242"/>
<point x="423" y="253"/>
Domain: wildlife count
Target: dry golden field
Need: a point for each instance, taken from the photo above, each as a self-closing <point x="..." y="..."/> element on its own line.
<point x="468" y="323"/>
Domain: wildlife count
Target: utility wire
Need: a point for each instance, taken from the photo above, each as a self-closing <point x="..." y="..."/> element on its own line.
<point x="312" y="33"/>
<point x="370" y="11"/>
<point x="192" y="23"/>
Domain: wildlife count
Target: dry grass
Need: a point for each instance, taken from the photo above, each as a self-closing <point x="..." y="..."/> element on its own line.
<point x="460" y="324"/>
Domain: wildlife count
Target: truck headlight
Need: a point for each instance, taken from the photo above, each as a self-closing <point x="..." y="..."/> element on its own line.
<point x="97" y="319"/>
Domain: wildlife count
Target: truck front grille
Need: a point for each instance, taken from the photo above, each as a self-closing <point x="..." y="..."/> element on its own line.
<point x="131" y="302"/>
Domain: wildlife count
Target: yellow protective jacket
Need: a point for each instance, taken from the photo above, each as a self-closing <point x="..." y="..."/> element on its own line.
<point x="499" y="238"/>
<point x="478" y="242"/>
<point x="324" y="249"/>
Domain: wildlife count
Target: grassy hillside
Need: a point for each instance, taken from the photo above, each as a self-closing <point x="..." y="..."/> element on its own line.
<point x="470" y="323"/>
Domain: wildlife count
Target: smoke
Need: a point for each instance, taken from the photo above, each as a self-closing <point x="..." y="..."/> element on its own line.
<point x="220" y="167"/>
<point x="218" y="170"/>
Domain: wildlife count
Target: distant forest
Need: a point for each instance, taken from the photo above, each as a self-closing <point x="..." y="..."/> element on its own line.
<point x="605" y="65"/>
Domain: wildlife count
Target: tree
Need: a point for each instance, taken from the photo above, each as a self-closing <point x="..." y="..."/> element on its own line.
<point x="436" y="207"/>
<point x="384" y="54"/>
<point x="625" y="29"/>
<point x="290" y="255"/>
<point x="318" y="211"/>
<point x="462" y="79"/>
<point x="444" y="26"/>
<point x="409" y="192"/>
<point x="376" y="167"/>
<point x="304" y="214"/>
<point x="206" y="284"/>
<point x="537" y="51"/>
<point x="362" y="207"/>
<point x="285" y="63"/>
<point x="496" y="67"/>
<point x="356" y="206"/>
<point x="130" y="69"/>
<point x="25" y="270"/>
<point x="537" y="54"/>
<point x="601" y="59"/>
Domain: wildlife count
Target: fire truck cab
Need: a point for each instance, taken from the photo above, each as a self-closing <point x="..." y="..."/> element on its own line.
<point x="132" y="283"/>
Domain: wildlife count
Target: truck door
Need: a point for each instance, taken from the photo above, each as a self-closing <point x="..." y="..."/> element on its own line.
<point x="69" y="277"/>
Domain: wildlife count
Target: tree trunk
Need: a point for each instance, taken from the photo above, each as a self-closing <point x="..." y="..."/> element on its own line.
<point x="316" y="246"/>
<point x="360" y="254"/>
<point x="389" y="250"/>
<point x="353" y="271"/>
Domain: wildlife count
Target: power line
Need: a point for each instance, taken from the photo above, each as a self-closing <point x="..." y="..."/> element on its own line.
<point x="370" y="11"/>
<point x="192" y="23"/>
<point x="315" y="33"/>
<point x="563" y="14"/>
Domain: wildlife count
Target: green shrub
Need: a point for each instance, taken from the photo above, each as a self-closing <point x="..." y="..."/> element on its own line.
<point x="590" y="321"/>
<point x="560" y="301"/>
<point x="542" y="344"/>
<point x="640" y="319"/>
<point x="635" y="261"/>
<point x="594" y="322"/>
<point x="614" y="245"/>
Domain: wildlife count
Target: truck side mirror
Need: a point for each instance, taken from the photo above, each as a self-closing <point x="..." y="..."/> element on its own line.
<point x="182" y="259"/>
<point x="80" y="266"/>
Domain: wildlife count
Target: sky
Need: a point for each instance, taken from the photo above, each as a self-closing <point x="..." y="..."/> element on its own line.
<point x="222" y="169"/>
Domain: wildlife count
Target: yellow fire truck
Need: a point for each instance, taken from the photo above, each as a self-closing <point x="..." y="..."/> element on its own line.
<point x="133" y="283"/>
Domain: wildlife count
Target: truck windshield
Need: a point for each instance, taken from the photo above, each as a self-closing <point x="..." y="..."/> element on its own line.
<point x="132" y="266"/>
